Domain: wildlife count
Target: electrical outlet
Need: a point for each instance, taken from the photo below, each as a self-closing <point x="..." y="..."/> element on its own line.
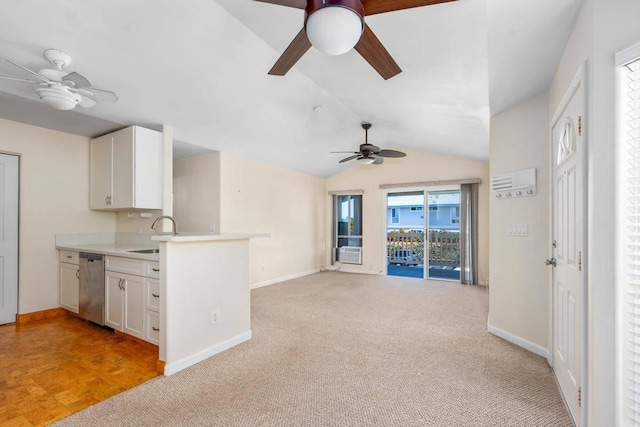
<point x="215" y="316"/>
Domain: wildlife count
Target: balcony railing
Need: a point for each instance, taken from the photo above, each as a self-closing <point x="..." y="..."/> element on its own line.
<point x="407" y="247"/>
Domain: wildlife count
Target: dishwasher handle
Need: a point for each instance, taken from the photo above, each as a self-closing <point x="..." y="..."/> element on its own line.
<point x="91" y="257"/>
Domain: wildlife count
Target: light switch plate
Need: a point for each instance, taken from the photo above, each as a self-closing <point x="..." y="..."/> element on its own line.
<point x="519" y="230"/>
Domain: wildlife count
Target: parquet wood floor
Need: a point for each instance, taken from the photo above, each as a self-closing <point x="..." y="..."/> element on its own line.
<point x="52" y="368"/>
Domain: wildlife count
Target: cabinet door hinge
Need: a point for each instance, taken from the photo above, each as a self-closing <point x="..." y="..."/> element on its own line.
<point x="579" y="396"/>
<point x="580" y="261"/>
<point x="579" y="125"/>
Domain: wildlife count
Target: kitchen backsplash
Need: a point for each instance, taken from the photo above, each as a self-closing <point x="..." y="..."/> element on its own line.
<point x="124" y="224"/>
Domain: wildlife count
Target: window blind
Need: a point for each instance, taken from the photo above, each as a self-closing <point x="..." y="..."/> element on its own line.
<point x="630" y="198"/>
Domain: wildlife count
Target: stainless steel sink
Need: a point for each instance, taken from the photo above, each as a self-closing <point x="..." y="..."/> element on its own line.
<point x="146" y="251"/>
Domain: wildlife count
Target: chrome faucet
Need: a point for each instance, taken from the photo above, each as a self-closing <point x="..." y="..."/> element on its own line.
<point x="174" y="229"/>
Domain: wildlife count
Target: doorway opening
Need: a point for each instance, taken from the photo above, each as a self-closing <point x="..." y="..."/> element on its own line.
<point x="424" y="245"/>
<point x="9" y="190"/>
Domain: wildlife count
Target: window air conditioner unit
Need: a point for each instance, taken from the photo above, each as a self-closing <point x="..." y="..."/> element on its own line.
<point x="350" y="255"/>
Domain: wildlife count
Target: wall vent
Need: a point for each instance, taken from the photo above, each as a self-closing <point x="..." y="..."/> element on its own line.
<point x="515" y="184"/>
<point x="350" y="255"/>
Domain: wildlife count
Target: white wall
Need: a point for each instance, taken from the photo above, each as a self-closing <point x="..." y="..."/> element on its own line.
<point x="615" y="27"/>
<point x="519" y="288"/>
<point x="54" y="198"/>
<point x="262" y="198"/>
<point x="418" y="166"/>
<point x="124" y="224"/>
<point x="196" y="193"/>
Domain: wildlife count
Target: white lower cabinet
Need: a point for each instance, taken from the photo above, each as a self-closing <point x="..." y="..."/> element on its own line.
<point x="69" y="286"/>
<point x="152" y="310"/>
<point x="132" y="302"/>
<point x="124" y="303"/>
<point x="69" y="281"/>
<point x="152" y="329"/>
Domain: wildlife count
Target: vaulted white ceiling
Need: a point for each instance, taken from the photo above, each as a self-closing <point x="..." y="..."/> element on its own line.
<point x="201" y="66"/>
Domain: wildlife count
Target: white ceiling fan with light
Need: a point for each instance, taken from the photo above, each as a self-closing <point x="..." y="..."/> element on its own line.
<point x="61" y="89"/>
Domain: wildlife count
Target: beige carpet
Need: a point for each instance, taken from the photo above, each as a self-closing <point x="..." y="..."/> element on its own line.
<point x="337" y="349"/>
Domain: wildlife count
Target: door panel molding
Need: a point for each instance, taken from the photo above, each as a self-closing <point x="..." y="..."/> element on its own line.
<point x="568" y="281"/>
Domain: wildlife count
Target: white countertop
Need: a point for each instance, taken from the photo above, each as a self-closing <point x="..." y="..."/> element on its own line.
<point x="122" y="244"/>
<point x="203" y="237"/>
<point x="112" y="249"/>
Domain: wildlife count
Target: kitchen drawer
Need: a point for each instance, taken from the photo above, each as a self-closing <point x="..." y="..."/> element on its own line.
<point x="125" y="265"/>
<point x="152" y="294"/>
<point x="69" y="257"/>
<point x="152" y="269"/>
<point x="152" y="328"/>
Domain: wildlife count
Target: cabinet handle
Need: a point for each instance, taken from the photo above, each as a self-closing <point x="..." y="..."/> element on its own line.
<point x="77" y="274"/>
<point x="69" y="256"/>
<point x="155" y="329"/>
<point x="121" y="284"/>
<point x="155" y="269"/>
<point x="155" y="295"/>
<point x="124" y="282"/>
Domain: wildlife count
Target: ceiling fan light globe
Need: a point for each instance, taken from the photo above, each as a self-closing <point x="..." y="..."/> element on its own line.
<point x="58" y="99"/>
<point x="334" y="30"/>
<point x="366" y="160"/>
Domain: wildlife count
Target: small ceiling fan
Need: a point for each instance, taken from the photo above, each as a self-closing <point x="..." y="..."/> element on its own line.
<point x="336" y="26"/>
<point x="368" y="153"/>
<point x="61" y="89"/>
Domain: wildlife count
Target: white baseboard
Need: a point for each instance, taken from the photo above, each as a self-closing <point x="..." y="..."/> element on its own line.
<point x="283" y="279"/>
<point x="173" y="367"/>
<point x="521" y="342"/>
<point x="353" y="270"/>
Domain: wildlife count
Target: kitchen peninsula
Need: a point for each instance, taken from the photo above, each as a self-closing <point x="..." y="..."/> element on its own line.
<point x="206" y="308"/>
<point x="201" y="305"/>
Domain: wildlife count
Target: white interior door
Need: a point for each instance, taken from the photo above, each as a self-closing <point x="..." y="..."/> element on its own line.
<point x="8" y="238"/>
<point x="568" y="252"/>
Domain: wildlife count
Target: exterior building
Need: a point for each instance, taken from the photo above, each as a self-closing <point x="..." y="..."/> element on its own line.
<point x="407" y="212"/>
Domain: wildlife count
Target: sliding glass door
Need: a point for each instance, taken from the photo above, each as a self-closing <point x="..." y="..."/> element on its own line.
<point x="405" y="234"/>
<point x="423" y="234"/>
<point x="443" y="237"/>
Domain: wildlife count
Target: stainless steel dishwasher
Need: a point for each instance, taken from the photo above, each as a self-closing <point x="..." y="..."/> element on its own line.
<point x="92" y="287"/>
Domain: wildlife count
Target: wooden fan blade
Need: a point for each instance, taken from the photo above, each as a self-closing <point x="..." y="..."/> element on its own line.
<point x="378" y="160"/>
<point x="372" y="50"/>
<point x="373" y="7"/>
<point x="346" y="159"/>
<point x="391" y="153"/>
<point x="77" y="79"/>
<point x="298" y="4"/>
<point x="298" y="47"/>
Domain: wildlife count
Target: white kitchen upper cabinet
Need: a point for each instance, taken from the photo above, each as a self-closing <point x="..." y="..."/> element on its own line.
<point x="126" y="170"/>
<point x="123" y="169"/>
<point x="101" y="154"/>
